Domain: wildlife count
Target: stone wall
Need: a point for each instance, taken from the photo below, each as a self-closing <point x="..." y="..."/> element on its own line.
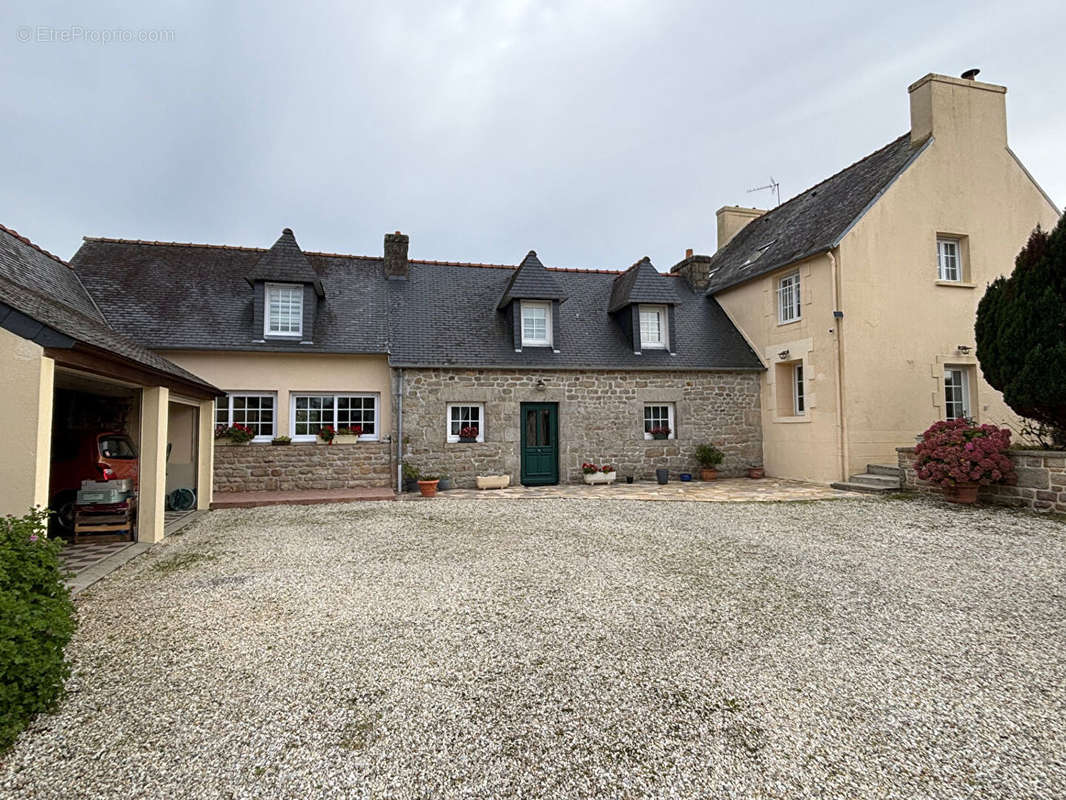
<point x="600" y="420"/>
<point x="1041" y="484"/>
<point x="264" y="467"/>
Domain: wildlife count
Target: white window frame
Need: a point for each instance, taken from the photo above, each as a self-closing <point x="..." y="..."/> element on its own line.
<point x="789" y="299"/>
<point x="669" y="415"/>
<point x="664" y="329"/>
<point x="227" y="405"/>
<point x="799" y="390"/>
<point x="454" y="437"/>
<point x="963" y="400"/>
<point x="305" y="437"/>
<point x="273" y="287"/>
<point x="942" y="258"/>
<point x="546" y="305"/>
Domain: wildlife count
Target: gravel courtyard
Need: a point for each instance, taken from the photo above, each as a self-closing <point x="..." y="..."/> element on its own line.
<point x="569" y="649"/>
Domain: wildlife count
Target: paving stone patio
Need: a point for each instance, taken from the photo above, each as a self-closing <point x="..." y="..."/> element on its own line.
<point x="727" y="490"/>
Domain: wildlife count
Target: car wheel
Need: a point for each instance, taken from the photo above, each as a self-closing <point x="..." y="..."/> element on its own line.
<point x="63" y="512"/>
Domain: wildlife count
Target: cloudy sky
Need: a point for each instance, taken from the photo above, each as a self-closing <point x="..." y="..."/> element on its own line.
<point x="594" y="132"/>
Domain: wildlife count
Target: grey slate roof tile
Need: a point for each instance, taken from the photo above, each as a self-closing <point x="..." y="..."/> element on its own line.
<point x="285" y="262"/>
<point x="24" y="263"/>
<point x="641" y="283"/>
<point x="531" y="281"/>
<point x="812" y="222"/>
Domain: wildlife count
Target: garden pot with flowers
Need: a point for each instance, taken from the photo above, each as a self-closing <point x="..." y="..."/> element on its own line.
<point x="660" y="432"/>
<point x="959" y="456"/>
<point x="468" y="433"/>
<point x="428" y="486"/>
<point x="348" y="435"/>
<point x="233" y="434"/>
<point x="326" y="435"/>
<point x="709" y="457"/>
<point x="595" y="474"/>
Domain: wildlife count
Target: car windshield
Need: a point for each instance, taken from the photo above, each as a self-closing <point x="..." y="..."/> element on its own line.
<point x="116" y="447"/>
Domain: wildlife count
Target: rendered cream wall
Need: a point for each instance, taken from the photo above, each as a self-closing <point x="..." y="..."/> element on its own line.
<point x="805" y="447"/>
<point x="26" y="418"/>
<point x="902" y="327"/>
<point x="286" y="373"/>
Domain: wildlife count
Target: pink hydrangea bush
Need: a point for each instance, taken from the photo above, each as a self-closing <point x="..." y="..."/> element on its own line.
<point x="958" y="451"/>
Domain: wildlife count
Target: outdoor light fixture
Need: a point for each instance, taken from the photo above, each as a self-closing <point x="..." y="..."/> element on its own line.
<point x="540" y="386"/>
<point x="783" y="355"/>
<point x="963" y="348"/>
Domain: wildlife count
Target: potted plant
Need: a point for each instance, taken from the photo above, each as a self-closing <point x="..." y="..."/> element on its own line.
<point x="709" y="457"/>
<point x="756" y="471"/>
<point x="959" y="456"/>
<point x="233" y="434"/>
<point x="445" y="483"/>
<point x="326" y="434"/>
<point x="662" y="476"/>
<point x="595" y="474"/>
<point x="468" y="433"/>
<point x="280" y="440"/>
<point x="428" y="485"/>
<point x="348" y="435"/>
<point x="660" y="432"/>
<point x="410" y="477"/>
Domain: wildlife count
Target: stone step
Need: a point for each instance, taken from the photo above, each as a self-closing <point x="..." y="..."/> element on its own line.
<point x="876" y="481"/>
<point x="848" y="486"/>
<point x="891" y="470"/>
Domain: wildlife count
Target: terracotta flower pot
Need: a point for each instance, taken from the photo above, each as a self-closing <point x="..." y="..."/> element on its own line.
<point x="756" y="472"/>
<point x="965" y="493"/>
<point x="709" y="474"/>
<point x="428" y="488"/>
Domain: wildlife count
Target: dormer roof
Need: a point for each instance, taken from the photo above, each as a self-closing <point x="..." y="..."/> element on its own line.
<point x="285" y="262"/>
<point x="641" y="283"/>
<point x="531" y="281"/>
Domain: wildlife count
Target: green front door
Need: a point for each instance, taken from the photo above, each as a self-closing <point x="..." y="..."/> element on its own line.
<point x="540" y="443"/>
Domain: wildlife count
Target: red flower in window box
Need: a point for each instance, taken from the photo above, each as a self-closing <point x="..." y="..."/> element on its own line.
<point x="660" y="432"/>
<point x="326" y="433"/>
<point x="468" y="433"/>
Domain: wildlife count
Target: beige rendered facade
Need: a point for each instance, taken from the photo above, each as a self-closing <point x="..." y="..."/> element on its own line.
<point x="282" y="375"/>
<point x="874" y="378"/>
<point x="26" y="416"/>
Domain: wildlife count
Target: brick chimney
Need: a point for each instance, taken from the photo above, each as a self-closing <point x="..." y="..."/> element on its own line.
<point x="960" y="112"/>
<point x="396" y="264"/>
<point x="693" y="269"/>
<point x="731" y="219"/>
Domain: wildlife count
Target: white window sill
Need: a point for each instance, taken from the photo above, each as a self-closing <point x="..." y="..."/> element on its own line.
<point x="545" y="345"/>
<point x="794" y="419"/>
<point x="957" y="284"/>
<point x="456" y="441"/>
<point x="789" y="322"/>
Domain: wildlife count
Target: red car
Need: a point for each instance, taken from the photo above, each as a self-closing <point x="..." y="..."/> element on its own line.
<point x="86" y="455"/>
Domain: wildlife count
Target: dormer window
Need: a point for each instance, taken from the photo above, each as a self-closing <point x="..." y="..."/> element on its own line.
<point x="284" y="310"/>
<point x="653" y="323"/>
<point x="536" y="324"/>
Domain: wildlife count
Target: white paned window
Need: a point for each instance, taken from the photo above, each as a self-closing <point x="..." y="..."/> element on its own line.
<point x="255" y="410"/>
<point x="948" y="259"/>
<point x="653" y="333"/>
<point x="310" y="412"/>
<point x="658" y="417"/>
<point x="536" y="323"/>
<point x="788" y="298"/>
<point x="284" y="310"/>
<point x="956" y="393"/>
<point x="799" y="403"/>
<point x="465" y="416"/>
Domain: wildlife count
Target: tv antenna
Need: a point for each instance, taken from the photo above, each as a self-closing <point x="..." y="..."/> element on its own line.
<point x="773" y="186"/>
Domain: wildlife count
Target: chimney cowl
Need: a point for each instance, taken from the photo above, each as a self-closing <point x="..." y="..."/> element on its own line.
<point x="971" y="74"/>
<point x="396" y="262"/>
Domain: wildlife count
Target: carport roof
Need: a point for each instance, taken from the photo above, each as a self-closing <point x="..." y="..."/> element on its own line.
<point x="41" y="299"/>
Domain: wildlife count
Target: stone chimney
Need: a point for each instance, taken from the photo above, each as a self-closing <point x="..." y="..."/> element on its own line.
<point x="693" y="269"/>
<point x="731" y="219"/>
<point x="960" y="112"/>
<point x="396" y="263"/>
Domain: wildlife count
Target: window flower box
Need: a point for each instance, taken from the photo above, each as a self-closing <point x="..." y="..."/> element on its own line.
<point x="595" y="474"/>
<point x="493" y="481"/>
<point x="469" y="434"/>
<point x="233" y="435"/>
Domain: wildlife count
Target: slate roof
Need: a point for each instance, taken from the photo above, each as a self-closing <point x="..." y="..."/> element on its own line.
<point x="446" y="315"/>
<point x="812" y="222"/>
<point x="38" y="286"/>
<point x="641" y="283"/>
<point x="172" y="296"/>
<point x="285" y="262"/>
<point x="531" y="281"/>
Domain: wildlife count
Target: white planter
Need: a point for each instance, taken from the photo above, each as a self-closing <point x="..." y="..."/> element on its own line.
<point x="339" y="439"/>
<point x="593" y="478"/>
<point x="224" y="442"/>
<point x="493" y="481"/>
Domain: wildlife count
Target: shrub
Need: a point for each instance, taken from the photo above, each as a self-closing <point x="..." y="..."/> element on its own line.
<point x="709" y="456"/>
<point x="1019" y="331"/>
<point x="958" y="451"/>
<point x="36" y="622"/>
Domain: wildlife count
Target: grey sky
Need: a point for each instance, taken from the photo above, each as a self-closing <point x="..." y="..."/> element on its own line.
<point x="593" y="132"/>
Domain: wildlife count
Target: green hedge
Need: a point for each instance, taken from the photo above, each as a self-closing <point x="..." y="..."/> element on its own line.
<point x="36" y="622"/>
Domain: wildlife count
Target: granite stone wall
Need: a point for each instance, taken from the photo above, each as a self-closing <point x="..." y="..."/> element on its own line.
<point x="601" y="419"/>
<point x="264" y="467"/>
<point x="1041" y="484"/>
